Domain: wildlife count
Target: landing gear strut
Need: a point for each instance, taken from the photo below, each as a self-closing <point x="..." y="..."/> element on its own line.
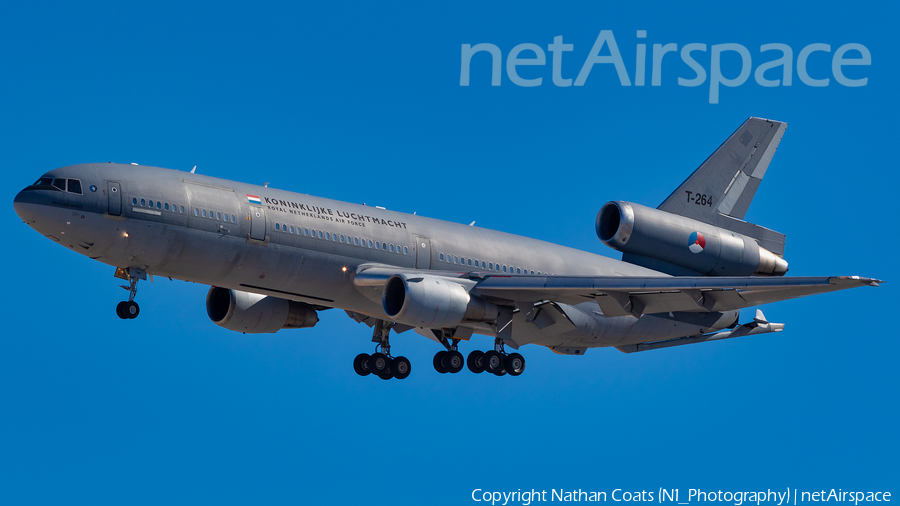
<point x="381" y="363"/>
<point x="129" y="309"/>
<point x="496" y="361"/>
<point x="449" y="360"/>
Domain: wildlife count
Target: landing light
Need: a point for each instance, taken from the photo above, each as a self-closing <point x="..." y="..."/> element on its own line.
<point x="343" y="269"/>
<point x="125" y="234"/>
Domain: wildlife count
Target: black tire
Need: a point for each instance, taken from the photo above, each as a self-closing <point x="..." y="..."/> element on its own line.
<point x="401" y="367"/>
<point x="473" y="362"/>
<point x="453" y="361"/>
<point x="131" y="310"/>
<point x="120" y="310"/>
<point x="515" y="364"/>
<point x="361" y="364"/>
<point x="437" y="362"/>
<point x="386" y="374"/>
<point x="378" y="363"/>
<point x="501" y="372"/>
<point x="492" y="361"/>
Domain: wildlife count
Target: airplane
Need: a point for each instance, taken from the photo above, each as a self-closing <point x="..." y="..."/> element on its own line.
<point x="274" y="259"/>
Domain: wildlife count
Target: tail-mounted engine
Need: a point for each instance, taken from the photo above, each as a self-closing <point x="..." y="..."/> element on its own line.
<point x="671" y="240"/>
<point x="252" y="313"/>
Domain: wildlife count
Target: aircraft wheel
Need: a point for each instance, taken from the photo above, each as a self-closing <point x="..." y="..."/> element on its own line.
<point x="474" y="362"/>
<point x="492" y="361"/>
<point x="379" y="363"/>
<point x="438" y="362"/>
<point x="120" y="310"/>
<point x="515" y="364"/>
<point x="501" y="372"/>
<point x="361" y="364"/>
<point x="453" y="361"/>
<point x="401" y="367"/>
<point x="131" y="310"/>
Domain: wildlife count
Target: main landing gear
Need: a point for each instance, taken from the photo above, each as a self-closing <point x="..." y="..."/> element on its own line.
<point x="129" y="309"/>
<point x="381" y="363"/>
<point x="495" y="361"/>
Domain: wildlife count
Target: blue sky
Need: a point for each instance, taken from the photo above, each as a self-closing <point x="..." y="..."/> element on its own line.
<point x="361" y="102"/>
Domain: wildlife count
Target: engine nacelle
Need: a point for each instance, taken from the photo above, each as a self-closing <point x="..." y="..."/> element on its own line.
<point x="433" y="302"/>
<point x="252" y="313"/>
<point x="684" y="242"/>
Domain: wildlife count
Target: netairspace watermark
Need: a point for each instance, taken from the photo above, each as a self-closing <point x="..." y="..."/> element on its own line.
<point x="815" y="54"/>
<point x="694" y="496"/>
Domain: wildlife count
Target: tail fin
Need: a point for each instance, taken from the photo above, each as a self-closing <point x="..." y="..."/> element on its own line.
<point x="721" y="189"/>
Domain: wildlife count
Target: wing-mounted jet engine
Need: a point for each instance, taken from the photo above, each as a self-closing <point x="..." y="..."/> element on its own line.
<point x="252" y="313"/>
<point x="682" y="246"/>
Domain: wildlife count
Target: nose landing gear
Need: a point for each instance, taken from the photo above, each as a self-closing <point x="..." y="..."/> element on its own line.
<point x="129" y="309"/>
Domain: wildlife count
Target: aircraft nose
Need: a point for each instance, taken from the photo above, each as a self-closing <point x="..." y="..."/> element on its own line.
<point x="25" y="204"/>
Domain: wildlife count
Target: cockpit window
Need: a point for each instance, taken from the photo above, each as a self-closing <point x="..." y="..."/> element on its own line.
<point x="44" y="181"/>
<point x="74" y="186"/>
<point x="60" y="183"/>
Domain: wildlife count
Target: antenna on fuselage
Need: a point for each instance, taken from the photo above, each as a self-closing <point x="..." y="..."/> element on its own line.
<point x="192" y="170"/>
<point x="265" y="185"/>
<point x="472" y="224"/>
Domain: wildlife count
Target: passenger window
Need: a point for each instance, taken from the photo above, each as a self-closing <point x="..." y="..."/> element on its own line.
<point x="143" y="202"/>
<point x="133" y="201"/>
<point x="491" y="266"/>
<point x="75" y="186"/>
<point x="378" y="245"/>
<point x="204" y="213"/>
<point x="356" y="241"/>
<point x="292" y="229"/>
<point x="151" y="204"/>
<point x="384" y="246"/>
<point x="482" y="264"/>
<point x="519" y="271"/>
<point x="218" y="216"/>
<point x="405" y="250"/>
<point x="232" y="218"/>
<point x="441" y="256"/>
<point x="158" y="204"/>
<point x="455" y="259"/>
<point x="167" y="206"/>
<point x="320" y="234"/>
<point x="470" y="261"/>
<point x="392" y="248"/>
<point x="196" y="212"/>
<point x="342" y="237"/>
<point x="277" y="226"/>
<point x="370" y="243"/>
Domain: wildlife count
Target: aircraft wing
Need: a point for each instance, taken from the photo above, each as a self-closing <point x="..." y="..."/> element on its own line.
<point x="624" y="295"/>
<point x="620" y="296"/>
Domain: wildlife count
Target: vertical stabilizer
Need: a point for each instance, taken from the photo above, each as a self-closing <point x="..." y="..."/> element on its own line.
<point x="721" y="189"/>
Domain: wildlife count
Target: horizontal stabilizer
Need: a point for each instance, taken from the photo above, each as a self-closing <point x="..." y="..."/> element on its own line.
<point x="748" y="329"/>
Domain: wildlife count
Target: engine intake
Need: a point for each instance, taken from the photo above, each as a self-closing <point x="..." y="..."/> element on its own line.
<point x="684" y="242"/>
<point x="433" y="302"/>
<point x="252" y="313"/>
